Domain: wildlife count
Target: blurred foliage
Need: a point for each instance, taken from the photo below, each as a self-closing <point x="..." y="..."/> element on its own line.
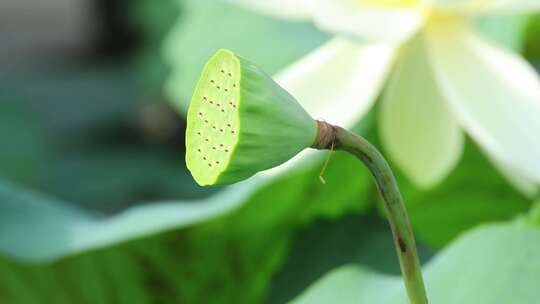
<point x="532" y="43"/>
<point x="26" y="150"/>
<point x="534" y="215"/>
<point x="153" y="19"/>
<point x="96" y="129"/>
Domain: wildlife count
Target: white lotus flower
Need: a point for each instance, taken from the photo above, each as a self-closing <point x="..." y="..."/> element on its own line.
<point x="446" y="78"/>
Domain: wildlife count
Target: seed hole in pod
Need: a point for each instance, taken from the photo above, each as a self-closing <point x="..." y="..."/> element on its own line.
<point x="206" y="139"/>
<point x="226" y="150"/>
<point x="234" y="106"/>
<point x="220" y="130"/>
<point x="218" y="87"/>
<point x="229" y="125"/>
<point x="211" y="102"/>
<point x="234" y="85"/>
<point x="217" y="104"/>
<point x="199" y="150"/>
<point x="213" y="148"/>
<point x="200" y="113"/>
<point x="230" y="75"/>
<point x="223" y="111"/>
<point x="199" y="133"/>
<point x="204" y="98"/>
<point x="212" y="81"/>
<point x="213" y="127"/>
<point x="217" y="162"/>
<point x="204" y="157"/>
<point x="226" y="90"/>
<point x="221" y="145"/>
<point x="209" y="165"/>
<point x="222" y="71"/>
<point x="206" y="120"/>
<point x="232" y="131"/>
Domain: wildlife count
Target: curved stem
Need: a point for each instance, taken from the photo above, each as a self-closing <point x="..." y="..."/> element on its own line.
<point x="394" y="206"/>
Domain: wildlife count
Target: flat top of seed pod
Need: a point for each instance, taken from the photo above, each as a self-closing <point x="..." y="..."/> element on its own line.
<point x="213" y="122"/>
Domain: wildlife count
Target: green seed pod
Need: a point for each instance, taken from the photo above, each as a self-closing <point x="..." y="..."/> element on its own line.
<point x="241" y="122"/>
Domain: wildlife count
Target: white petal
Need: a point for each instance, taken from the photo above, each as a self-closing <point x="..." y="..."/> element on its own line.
<point x="366" y="23"/>
<point x="289" y="9"/>
<point x="446" y="3"/>
<point x="495" y="95"/>
<point x="339" y="81"/>
<point x="416" y="127"/>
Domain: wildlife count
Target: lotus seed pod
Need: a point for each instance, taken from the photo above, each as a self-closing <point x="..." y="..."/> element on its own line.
<point x="241" y="122"/>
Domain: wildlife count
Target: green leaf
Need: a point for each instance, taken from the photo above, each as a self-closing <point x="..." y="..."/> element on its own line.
<point x="492" y="264"/>
<point x="35" y="227"/>
<point x="168" y="268"/>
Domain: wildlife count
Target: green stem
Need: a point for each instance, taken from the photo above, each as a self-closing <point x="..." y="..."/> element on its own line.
<point x="394" y="206"/>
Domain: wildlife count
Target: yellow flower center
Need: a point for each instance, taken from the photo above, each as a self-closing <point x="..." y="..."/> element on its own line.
<point x="389" y="3"/>
<point x="433" y="17"/>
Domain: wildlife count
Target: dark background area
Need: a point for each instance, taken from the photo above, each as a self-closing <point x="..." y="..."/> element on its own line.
<point x="84" y="119"/>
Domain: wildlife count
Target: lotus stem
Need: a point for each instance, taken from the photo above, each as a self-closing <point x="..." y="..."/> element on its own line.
<point x="404" y="242"/>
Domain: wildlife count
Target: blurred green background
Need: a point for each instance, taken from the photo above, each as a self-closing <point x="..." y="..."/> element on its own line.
<point x="91" y="123"/>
